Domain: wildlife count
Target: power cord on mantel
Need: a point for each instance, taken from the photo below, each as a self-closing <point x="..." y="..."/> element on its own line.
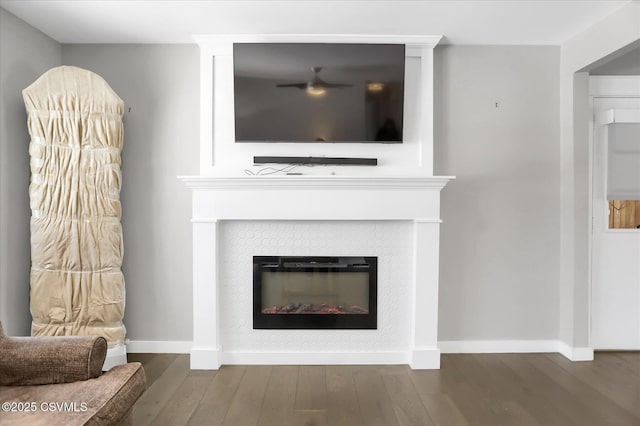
<point x="265" y="171"/>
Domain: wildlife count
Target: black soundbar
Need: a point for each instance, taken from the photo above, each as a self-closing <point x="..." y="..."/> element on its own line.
<point x="316" y="160"/>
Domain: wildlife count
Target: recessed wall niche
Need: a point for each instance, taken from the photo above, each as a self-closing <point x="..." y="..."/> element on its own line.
<point x="220" y="155"/>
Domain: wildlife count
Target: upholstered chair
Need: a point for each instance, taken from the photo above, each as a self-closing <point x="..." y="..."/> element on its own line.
<point x="59" y="381"/>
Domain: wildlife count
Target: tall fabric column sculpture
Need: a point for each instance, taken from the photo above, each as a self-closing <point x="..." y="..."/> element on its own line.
<point x="77" y="285"/>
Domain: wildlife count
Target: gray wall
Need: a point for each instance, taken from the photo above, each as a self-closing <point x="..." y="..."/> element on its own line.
<point x="25" y="53"/>
<point x="500" y="236"/>
<point x="499" y="273"/>
<point x="160" y="85"/>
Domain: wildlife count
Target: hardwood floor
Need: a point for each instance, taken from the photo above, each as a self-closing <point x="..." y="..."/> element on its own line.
<point x="483" y="390"/>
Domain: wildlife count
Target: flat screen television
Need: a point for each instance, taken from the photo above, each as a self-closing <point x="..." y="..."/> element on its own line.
<point x="318" y="92"/>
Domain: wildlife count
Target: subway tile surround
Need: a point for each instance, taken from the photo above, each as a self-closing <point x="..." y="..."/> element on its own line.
<point x="392" y="212"/>
<point x="242" y="240"/>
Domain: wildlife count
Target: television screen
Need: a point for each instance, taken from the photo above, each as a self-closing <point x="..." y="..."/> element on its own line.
<point x="302" y="92"/>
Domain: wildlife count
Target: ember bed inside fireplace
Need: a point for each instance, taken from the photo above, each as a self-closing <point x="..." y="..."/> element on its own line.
<point x="314" y="292"/>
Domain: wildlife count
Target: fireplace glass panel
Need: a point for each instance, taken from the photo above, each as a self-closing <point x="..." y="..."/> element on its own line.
<point x="315" y="292"/>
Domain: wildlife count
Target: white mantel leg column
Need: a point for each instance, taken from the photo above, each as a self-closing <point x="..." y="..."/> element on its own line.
<point x="205" y="352"/>
<point x="425" y="353"/>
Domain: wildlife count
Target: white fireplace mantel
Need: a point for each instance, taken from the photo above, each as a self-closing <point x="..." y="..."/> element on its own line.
<point x="316" y="198"/>
<point x="401" y="193"/>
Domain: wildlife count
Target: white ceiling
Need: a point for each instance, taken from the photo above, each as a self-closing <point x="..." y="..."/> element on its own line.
<point x="529" y="22"/>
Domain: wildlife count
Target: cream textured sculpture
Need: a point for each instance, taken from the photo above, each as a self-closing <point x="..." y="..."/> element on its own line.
<point x="77" y="285"/>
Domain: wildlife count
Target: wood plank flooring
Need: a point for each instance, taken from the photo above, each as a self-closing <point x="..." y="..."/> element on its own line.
<point x="469" y="390"/>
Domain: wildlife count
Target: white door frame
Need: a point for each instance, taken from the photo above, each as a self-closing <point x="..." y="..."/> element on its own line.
<point x="602" y="87"/>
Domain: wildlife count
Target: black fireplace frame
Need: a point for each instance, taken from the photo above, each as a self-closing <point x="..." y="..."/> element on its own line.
<point x="265" y="264"/>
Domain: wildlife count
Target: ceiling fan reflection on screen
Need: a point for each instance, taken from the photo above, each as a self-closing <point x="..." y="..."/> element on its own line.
<point x="316" y="86"/>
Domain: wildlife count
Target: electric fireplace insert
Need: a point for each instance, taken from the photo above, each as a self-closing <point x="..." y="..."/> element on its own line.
<point x="314" y="292"/>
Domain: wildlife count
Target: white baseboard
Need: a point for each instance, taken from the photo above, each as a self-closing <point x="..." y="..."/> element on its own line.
<point x="116" y="355"/>
<point x="575" y="354"/>
<point x="497" y="346"/>
<point x="159" y="347"/>
<point x="315" y="358"/>
<point x="205" y="358"/>
<point x="515" y="346"/>
<point x="424" y="359"/>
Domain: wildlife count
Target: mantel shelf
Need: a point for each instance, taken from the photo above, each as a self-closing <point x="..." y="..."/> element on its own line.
<point x="316" y="197"/>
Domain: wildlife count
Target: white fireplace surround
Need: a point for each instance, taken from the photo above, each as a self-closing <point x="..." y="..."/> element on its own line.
<point x="401" y="190"/>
